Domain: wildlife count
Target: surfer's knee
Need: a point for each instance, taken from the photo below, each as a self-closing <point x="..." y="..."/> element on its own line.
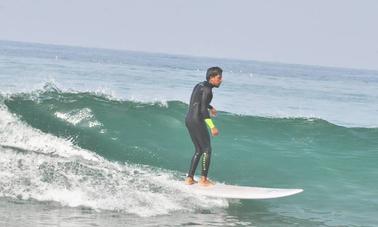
<point x="207" y="150"/>
<point x="198" y="152"/>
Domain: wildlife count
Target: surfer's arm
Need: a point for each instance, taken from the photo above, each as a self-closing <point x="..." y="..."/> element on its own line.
<point x="205" y="102"/>
<point x="213" y="111"/>
<point x="210" y="123"/>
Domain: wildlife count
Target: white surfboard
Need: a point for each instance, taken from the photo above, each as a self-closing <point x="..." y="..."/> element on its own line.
<point x="241" y="192"/>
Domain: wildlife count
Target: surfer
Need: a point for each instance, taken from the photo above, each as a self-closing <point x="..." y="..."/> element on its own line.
<point x="196" y="120"/>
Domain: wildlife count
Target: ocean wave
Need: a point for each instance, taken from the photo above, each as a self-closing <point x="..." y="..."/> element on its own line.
<point x="40" y="166"/>
<point x="51" y="91"/>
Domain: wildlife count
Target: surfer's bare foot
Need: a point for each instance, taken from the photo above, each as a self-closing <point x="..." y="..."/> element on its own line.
<point x="190" y="180"/>
<point x="205" y="182"/>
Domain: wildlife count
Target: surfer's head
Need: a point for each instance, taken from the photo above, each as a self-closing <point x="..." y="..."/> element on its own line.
<point x="214" y="76"/>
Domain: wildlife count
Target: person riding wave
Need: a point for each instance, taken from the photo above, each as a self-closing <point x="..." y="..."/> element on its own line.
<point x="196" y="120"/>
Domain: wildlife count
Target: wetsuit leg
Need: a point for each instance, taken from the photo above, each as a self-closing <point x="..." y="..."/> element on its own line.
<point x="196" y="156"/>
<point x="206" y="163"/>
<point x="201" y="140"/>
<point x="194" y="163"/>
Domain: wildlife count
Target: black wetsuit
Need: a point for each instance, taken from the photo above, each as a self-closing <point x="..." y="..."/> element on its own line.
<point x="195" y="122"/>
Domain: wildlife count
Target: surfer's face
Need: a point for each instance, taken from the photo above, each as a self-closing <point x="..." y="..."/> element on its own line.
<point x="216" y="80"/>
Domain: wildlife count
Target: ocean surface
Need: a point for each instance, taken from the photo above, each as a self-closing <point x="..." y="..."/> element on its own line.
<point x="96" y="137"/>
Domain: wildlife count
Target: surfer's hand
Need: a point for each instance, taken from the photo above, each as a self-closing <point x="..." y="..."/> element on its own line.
<point x="213" y="112"/>
<point x="214" y="131"/>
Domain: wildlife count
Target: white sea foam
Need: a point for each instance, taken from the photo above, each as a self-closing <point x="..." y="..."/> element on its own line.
<point x="40" y="166"/>
<point x="79" y="116"/>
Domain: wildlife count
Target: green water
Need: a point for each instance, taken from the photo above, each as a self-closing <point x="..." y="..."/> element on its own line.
<point x="336" y="166"/>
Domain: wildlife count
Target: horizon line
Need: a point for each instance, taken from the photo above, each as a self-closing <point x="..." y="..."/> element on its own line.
<point x="190" y="56"/>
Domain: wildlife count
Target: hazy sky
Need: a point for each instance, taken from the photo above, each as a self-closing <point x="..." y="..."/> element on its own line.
<point x="316" y="32"/>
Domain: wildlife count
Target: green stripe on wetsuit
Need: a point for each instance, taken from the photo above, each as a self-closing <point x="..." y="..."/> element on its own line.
<point x="210" y="123"/>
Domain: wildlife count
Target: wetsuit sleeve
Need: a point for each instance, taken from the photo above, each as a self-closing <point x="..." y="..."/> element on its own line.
<point x="210" y="106"/>
<point x="205" y="102"/>
<point x="209" y="123"/>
